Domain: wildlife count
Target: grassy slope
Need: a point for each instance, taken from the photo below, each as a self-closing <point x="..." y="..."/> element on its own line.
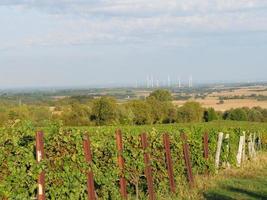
<point x="246" y="183"/>
<point x="249" y="182"/>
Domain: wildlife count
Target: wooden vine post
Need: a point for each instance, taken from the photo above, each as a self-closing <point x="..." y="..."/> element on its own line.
<point x="166" y="141"/>
<point x="90" y="176"/>
<point x="240" y="150"/>
<point x="227" y="139"/>
<point x="123" y="187"/>
<point x="250" y="146"/>
<point x="206" y="149"/>
<point x="244" y="157"/>
<point x="253" y="146"/>
<point x="148" y="169"/>
<point x="187" y="160"/>
<point x="206" y="145"/>
<point x="218" y="151"/>
<point x="39" y="158"/>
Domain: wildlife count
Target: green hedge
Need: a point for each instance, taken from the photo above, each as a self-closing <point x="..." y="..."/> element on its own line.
<point x="65" y="164"/>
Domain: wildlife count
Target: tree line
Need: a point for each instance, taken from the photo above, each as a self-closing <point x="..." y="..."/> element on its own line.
<point x="157" y="108"/>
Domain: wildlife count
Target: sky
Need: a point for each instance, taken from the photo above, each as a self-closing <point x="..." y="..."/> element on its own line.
<point x="107" y="42"/>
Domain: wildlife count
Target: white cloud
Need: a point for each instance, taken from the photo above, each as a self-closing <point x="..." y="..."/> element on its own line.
<point x="119" y="21"/>
<point x="134" y="7"/>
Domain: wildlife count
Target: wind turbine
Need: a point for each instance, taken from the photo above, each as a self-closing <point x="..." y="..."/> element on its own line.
<point x="152" y="81"/>
<point x="157" y="82"/>
<point x="190" y="81"/>
<point x="169" y="81"/>
<point x="179" y="82"/>
<point x="147" y="82"/>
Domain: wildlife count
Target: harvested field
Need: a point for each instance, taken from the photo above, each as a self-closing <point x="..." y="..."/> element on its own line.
<point x="213" y="99"/>
<point x="228" y="104"/>
<point x="246" y="91"/>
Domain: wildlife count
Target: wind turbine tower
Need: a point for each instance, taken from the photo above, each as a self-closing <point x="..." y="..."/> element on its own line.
<point x="152" y="81"/>
<point x="179" y="82"/>
<point x="157" y="83"/>
<point x="147" y="82"/>
<point x="190" y="84"/>
<point x="169" y="81"/>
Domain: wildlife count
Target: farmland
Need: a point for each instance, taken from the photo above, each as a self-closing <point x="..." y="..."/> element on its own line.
<point x="211" y="102"/>
<point x="136" y="106"/>
<point x="239" y="97"/>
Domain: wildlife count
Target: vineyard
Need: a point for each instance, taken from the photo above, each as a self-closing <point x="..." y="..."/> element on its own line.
<point x="137" y="166"/>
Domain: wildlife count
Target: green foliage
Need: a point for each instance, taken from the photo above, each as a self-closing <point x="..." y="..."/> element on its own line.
<point x="86" y="110"/>
<point x="160" y="110"/>
<point x="18" y="171"/>
<point x="210" y="115"/>
<point x="248" y="182"/>
<point x="190" y="112"/>
<point x="142" y="112"/>
<point x="237" y="114"/>
<point x="66" y="168"/>
<point x="76" y="115"/>
<point x="161" y="95"/>
<point x="39" y="115"/>
<point x="104" y="111"/>
<point x="125" y="115"/>
<point x="255" y="116"/>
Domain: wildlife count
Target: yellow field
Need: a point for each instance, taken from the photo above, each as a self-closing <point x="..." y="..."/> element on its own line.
<point x="246" y="91"/>
<point x="212" y="100"/>
<point x="228" y="104"/>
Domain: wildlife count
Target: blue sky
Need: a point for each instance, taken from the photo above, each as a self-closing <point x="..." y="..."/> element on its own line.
<point x="104" y="42"/>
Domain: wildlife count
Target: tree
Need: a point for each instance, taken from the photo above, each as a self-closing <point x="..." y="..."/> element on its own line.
<point x="3" y="116"/>
<point x="255" y="116"/>
<point x="125" y="115"/>
<point x="76" y="115"/>
<point x="226" y="115"/>
<point x="237" y="114"/>
<point x="142" y="112"/>
<point x="264" y="114"/>
<point x="171" y="113"/>
<point x="190" y="112"/>
<point x="210" y="115"/>
<point x="19" y="112"/>
<point x="161" y="95"/>
<point x="159" y="109"/>
<point x="39" y="114"/>
<point x="262" y="111"/>
<point x="104" y="111"/>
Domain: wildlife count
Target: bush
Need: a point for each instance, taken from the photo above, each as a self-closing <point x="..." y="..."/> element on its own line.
<point x="237" y="114"/>
<point x="190" y="112"/>
<point x="210" y="115"/>
<point x="104" y="111"/>
<point x="255" y="116"/>
<point x="161" y="95"/>
<point x="142" y="112"/>
<point x="76" y="115"/>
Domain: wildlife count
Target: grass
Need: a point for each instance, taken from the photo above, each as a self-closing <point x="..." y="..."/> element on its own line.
<point x="239" y="188"/>
<point x="248" y="182"/>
